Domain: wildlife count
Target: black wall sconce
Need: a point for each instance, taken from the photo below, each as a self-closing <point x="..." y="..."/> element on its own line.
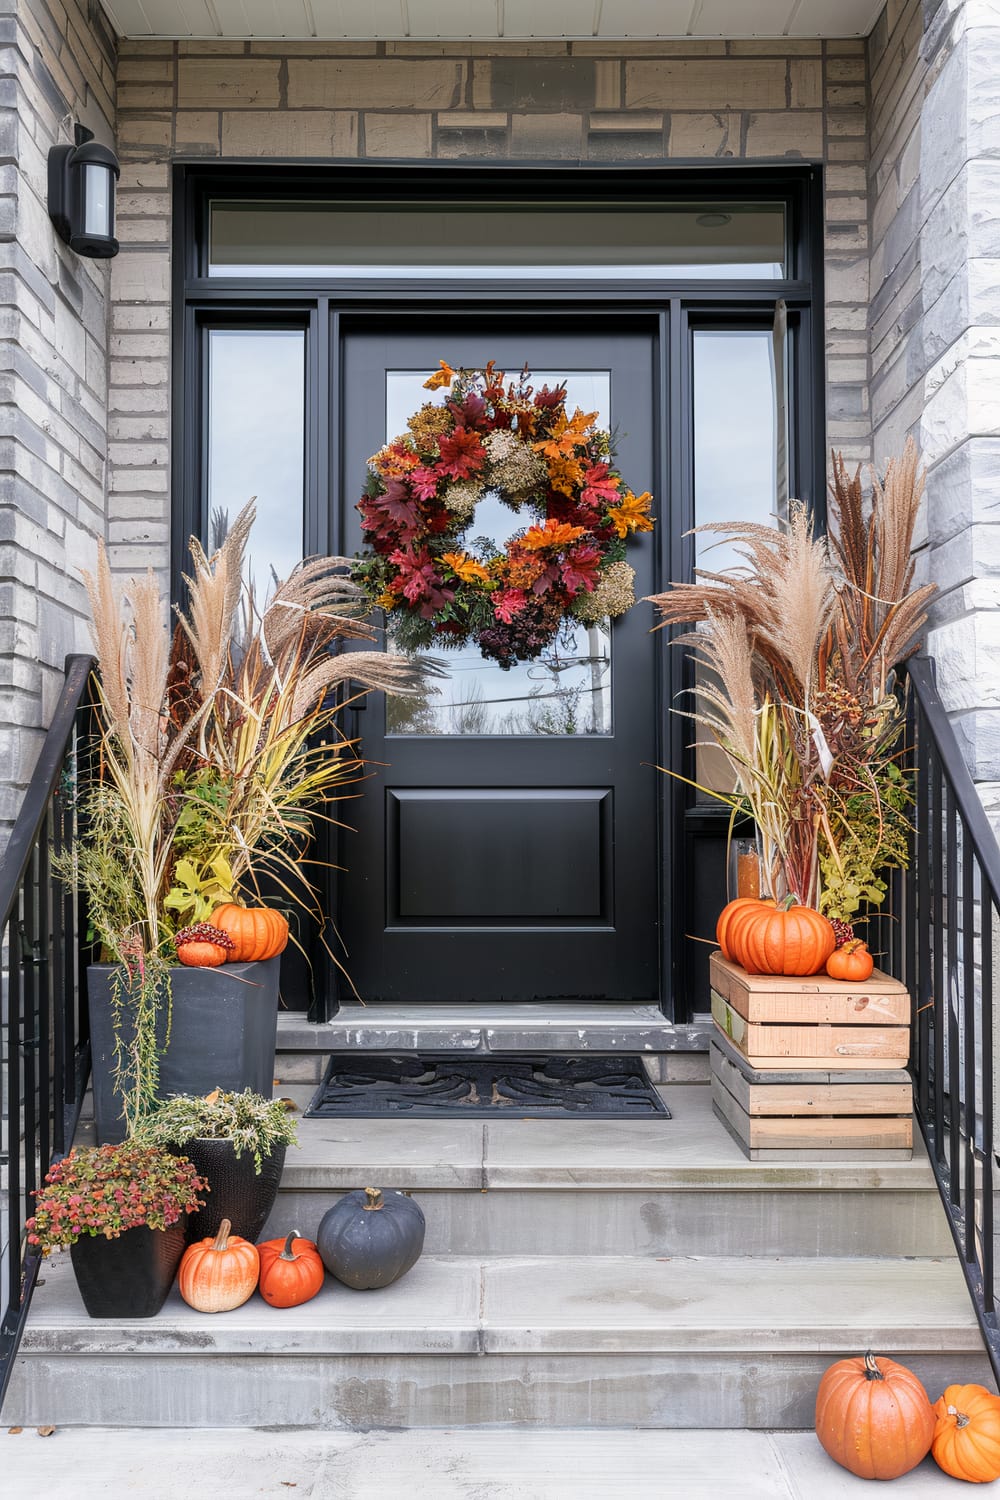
<point x="82" y="195"/>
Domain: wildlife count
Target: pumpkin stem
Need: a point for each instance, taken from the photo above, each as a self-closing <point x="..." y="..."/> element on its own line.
<point x="872" y="1371"/>
<point x="787" y="902"/>
<point x="961" y="1419"/>
<point x="286" y="1254"/>
<point x="374" y="1196"/>
<point x="222" y="1238"/>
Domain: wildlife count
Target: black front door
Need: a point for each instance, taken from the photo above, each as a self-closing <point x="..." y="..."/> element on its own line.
<point x="506" y="847"/>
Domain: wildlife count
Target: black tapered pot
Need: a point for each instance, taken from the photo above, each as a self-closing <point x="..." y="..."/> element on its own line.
<point x="128" y="1277"/>
<point x="223" y="1027"/>
<point x="236" y="1193"/>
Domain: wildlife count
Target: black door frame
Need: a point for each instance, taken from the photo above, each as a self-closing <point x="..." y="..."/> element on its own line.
<point x="668" y="308"/>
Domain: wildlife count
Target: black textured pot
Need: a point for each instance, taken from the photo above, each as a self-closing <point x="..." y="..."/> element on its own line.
<point x="128" y="1277"/>
<point x="222" y="1034"/>
<point x="237" y="1193"/>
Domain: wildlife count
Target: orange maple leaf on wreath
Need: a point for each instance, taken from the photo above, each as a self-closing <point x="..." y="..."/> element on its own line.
<point x="632" y="514"/>
<point x="465" y="568"/>
<point x="552" y="534"/>
<point x="441" y="377"/>
<point x="566" y="435"/>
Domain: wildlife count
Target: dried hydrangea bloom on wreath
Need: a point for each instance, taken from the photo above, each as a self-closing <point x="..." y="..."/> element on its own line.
<point x="566" y="563"/>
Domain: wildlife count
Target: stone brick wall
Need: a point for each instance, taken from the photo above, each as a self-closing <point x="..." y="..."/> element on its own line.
<point x="57" y="61"/>
<point x="935" y="214"/>
<point x="576" y="101"/>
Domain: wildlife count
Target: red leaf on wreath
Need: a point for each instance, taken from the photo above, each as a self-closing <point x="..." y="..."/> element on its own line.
<point x="579" y="569"/>
<point x="462" y="454"/>
<point x="424" y="483"/>
<point x="399" y="506"/>
<point x="508" y="604"/>
<point x="600" y="486"/>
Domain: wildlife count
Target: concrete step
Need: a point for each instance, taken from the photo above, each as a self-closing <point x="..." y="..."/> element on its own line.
<point x="606" y="1187"/>
<point x="90" y="1463"/>
<point x="650" y="1342"/>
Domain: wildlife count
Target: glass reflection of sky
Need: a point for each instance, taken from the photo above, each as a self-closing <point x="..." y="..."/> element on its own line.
<point x="256" y="417"/>
<point x="568" y="689"/>
<point x="735" y="434"/>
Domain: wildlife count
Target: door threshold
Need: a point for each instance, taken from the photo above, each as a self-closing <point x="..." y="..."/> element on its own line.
<point x="524" y="1027"/>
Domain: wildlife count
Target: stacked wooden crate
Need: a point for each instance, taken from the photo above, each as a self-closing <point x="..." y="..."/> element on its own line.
<point x="812" y="1064"/>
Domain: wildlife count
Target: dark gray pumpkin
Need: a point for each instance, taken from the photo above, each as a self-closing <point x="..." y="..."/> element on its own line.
<point x="369" y="1240"/>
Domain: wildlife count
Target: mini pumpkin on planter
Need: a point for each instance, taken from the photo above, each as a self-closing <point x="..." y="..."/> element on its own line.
<point x="203" y="946"/>
<point x="255" y="933"/>
<point x="369" y="1240"/>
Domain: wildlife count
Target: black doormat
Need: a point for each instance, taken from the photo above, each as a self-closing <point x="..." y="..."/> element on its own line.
<point x="372" y="1085"/>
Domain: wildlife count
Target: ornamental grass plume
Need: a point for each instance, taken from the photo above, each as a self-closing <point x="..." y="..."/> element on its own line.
<point x="798" y="647"/>
<point x="219" y="752"/>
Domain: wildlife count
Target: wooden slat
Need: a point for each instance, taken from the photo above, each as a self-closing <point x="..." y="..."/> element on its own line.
<point x="796" y="1098"/>
<point x="830" y="1045"/>
<point x="836" y="1133"/>
<point x="880" y="1001"/>
<point x="806" y="1070"/>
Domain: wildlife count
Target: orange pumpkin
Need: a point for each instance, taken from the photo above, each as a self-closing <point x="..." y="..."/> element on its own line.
<point x="967" y="1433"/>
<point x="873" y="1417"/>
<point x="218" y="1275"/>
<point x="852" y="962"/>
<point x="257" y="932"/>
<point x="726" y="919"/>
<point x="787" y="939"/>
<point x="202" y="946"/>
<point x="290" y="1271"/>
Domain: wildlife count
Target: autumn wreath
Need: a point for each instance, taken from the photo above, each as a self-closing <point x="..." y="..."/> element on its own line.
<point x="566" y="563"/>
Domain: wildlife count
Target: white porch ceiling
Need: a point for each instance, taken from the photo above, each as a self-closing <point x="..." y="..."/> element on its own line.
<point x="491" y="20"/>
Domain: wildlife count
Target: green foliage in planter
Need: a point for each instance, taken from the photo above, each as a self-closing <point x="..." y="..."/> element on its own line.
<point x="106" y="1190"/>
<point x="251" y="1122"/>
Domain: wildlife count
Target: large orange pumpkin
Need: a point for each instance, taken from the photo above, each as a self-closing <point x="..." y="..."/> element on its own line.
<point x="218" y="1275"/>
<point x="873" y="1417"/>
<point x="257" y="932"/>
<point x="290" y="1271"/>
<point x="967" y="1433"/>
<point x="727" y="919"/>
<point x="786" y="939"/>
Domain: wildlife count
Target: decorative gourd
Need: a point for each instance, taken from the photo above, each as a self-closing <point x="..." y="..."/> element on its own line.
<point x="873" y="1417"/>
<point x="257" y="932"/>
<point x="370" y="1240"/>
<point x="218" y="1275"/>
<point x="203" y="946"/>
<point x="967" y="1433"/>
<point x="727" y="917"/>
<point x="852" y="962"/>
<point x="290" y="1271"/>
<point x="787" y="939"/>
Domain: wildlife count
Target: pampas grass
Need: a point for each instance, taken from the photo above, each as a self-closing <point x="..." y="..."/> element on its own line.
<point x="800" y="640"/>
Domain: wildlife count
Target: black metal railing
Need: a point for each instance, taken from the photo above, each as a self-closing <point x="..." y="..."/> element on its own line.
<point x="44" y="1048"/>
<point x="942" y="939"/>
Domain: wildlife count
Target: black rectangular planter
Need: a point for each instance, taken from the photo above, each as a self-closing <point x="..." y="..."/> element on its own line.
<point x="222" y="1035"/>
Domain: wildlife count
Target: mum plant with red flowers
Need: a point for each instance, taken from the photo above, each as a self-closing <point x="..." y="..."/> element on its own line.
<point x="566" y="562"/>
<point x="106" y="1190"/>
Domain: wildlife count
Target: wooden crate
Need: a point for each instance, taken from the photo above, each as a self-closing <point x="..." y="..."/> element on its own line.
<point x="778" y="1022"/>
<point x="775" y="1114"/>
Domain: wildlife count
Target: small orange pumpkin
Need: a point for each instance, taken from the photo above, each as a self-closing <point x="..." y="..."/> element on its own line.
<point x="218" y="1275"/>
<point x="852" y="962"/>
<point x="967" y="1434"/>
<point x="202" y="946"/>
<point x="290" y="1271"/>
<point x="787" y="939"/>
<point x="257" y="932"/>
<point x="873" y="1417"/>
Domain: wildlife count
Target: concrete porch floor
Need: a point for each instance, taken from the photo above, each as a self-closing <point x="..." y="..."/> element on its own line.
<point x="89" y="1463"/>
